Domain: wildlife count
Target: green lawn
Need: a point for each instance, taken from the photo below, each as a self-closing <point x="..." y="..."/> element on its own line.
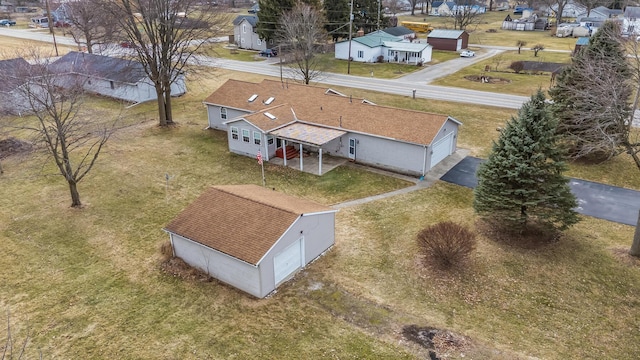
<point x="87" y="283"/>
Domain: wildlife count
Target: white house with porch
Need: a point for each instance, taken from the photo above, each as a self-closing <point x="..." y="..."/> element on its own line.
<point x="383" y="47"/>
<point x="293" y="123"/>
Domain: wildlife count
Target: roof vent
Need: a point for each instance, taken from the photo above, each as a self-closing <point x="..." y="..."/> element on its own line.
<point x="253" y="98"/>
<point x="270" y="116"/>
<point x="269" y="100"/>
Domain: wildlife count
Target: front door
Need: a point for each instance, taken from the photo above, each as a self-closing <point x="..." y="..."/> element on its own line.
<point x="352" y="148"/>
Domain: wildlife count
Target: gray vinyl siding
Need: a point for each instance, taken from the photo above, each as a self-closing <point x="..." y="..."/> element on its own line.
<point x="218" y="265"/>
<point x="318" y="233"/>
<point x="216" y="122"/>
<point x="239" y="146"/>
<point x="448" y="127"/>
<point x="247" y="39"/>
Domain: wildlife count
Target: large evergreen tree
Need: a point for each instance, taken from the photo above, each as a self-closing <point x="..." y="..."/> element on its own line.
<point x="591" y="97"/>
<point x="270" y="13"/>
<point x="337" y="15"/>
<point x="521" y="184"/>
<point x="365" y="16"/>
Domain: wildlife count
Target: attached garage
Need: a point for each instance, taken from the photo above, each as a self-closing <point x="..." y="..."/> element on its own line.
<point x="451" y="40"/>
<point x="251" y="237"/>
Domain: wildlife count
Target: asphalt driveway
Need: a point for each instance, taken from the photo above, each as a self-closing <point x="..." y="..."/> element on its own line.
<point x="594" y="199"/>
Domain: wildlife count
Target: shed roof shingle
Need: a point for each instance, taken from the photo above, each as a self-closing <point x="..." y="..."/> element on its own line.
<point x="243" y="221"/>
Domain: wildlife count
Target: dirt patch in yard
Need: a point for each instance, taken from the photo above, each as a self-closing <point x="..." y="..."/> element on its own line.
<point x="178" y="268"/>
<point x="437" y="341"/>
<point x="487" y="79"/>
<point x="13" y="146"/>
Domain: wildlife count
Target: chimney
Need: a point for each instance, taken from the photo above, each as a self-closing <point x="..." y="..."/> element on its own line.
<point x="360" y="32"/>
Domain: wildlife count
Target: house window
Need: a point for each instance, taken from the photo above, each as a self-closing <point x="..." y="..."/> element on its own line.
<point x="245" y="135"/>
<point x="271" y="41"/>
<point x="259" y="42"/>
<point x="113" y="86"/>
<point x="270" y="140"/>
<point x="234" y="133"/>
<point x="360" y="54"/>
<point x="223" y="113"/>
<point x="257" y="138"/>
<point x="244" y="28"/>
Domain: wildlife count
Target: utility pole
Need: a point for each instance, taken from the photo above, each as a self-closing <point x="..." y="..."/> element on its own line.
<point x="55" y="45"/>
<point x="379" y="14"/>
<point x="350" y="33"/>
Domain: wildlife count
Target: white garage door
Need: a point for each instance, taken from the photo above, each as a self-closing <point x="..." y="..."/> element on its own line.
<point x="288" y="261"/>
<point x="441" y="149"/>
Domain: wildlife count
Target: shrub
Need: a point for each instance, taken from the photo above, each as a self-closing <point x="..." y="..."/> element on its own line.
<point x="517" y="66"/>
<point x="447" y="244"/>
<point x="380" y="59"/>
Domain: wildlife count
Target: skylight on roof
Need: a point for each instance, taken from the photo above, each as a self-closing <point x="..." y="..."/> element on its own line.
<point x="269" y="100"/>
<point x="270" y="116"/>
<point x="365" y="101"/>
<point x="253" y="98"/>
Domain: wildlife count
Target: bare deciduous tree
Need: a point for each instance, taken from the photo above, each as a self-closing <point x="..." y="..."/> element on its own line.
<point x="632" y="143"/>
<point x="536" y="49"/>
<point x="520" y="44"/>
<point x="302" y="32"/>
<point x="559" y="8"/>
<point x="165" y="36"/>
<point x="91" y="23"/>
<point x="465" y="14"/>
<point x="68" y="133"/>
<point x="635" y="246"/>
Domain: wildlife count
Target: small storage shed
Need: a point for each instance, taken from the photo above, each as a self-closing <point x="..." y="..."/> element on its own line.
<point x="251" y="237"/>
<point x="452" y="40"/>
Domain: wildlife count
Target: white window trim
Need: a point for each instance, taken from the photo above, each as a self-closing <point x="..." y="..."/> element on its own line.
<point x="223" y="113"/>
<point x="248" y="138"/>
<point x="234" y="131"/>
<point x="257" y="137"/>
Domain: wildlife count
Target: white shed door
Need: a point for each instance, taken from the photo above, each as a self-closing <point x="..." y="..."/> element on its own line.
<point x="441" y="149"/>
<point x="288" y="261"/>
<point x="459" y="45"/>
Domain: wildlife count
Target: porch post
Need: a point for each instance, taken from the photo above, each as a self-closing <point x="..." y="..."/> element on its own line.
<point x="284" y="151"/>
<point x="301" y="167"/>
<point x="319" y="161"/>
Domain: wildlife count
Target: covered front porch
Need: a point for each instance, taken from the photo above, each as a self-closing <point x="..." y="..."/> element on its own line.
<point x="309" y="154"/>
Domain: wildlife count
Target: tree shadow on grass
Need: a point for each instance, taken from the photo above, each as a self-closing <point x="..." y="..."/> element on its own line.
<point x="534" y="237"/>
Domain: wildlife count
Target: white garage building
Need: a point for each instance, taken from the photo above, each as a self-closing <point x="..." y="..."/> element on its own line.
<point x="251" y="237"/>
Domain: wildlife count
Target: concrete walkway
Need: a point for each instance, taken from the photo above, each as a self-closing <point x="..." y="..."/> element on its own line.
<point x="430" y="178"/>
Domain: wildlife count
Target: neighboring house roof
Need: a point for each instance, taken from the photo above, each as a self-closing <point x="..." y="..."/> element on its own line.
<point x="406" y="46"/>
<point x="398" y="31"/>
<point x="251" y="19"/>
<point x="109" y="68"/>
<point x="375" y="40"/>
<point x="315" y="105"/>
<point x="13" y="71"/>
<point x="632" y="12"/>
<point x="437" y="4"/>
<point x="445" y="34"/>
<point x="243" y="221"/>
<point x="606" y="11"/>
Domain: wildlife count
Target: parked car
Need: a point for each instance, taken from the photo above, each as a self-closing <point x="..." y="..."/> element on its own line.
<point x="7" y="22"/>
<point x="269" y="52"/>
<point x="467" y="53"/>
<point x="254" y="9"/>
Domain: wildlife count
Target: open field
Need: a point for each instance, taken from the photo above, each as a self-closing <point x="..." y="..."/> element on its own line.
<point x="9" y="47"/>
<point x="87" y="283"/>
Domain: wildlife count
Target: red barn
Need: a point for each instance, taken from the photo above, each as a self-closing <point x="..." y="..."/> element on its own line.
<point x="451" y="40"/>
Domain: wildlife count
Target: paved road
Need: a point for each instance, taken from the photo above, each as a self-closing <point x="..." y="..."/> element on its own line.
<point x="401" y="86"/>
<point x="594" y="199"/>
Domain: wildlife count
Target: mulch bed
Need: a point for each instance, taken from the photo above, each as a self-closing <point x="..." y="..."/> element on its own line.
<point x="488" y="79"/>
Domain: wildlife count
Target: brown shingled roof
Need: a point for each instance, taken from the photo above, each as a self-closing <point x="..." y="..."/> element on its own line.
<point x="313" y="105"/>
<point x="243" y="221"/>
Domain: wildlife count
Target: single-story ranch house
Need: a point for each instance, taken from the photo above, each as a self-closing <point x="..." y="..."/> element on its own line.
<point x="266" y="117"/>
<point x="381" y="45"/>
<point x="113" y="77"/>
<point x="251" y="237"/>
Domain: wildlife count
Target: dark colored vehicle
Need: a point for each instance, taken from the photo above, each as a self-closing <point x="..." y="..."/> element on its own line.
<point x="7" y="22"/>
<point x="269" y="52"/>
<point x="254" y="9"/>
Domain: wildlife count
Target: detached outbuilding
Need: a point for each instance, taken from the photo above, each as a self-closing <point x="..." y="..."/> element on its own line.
<point x="451" y="40"/>
<point x="251" y="237"/>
